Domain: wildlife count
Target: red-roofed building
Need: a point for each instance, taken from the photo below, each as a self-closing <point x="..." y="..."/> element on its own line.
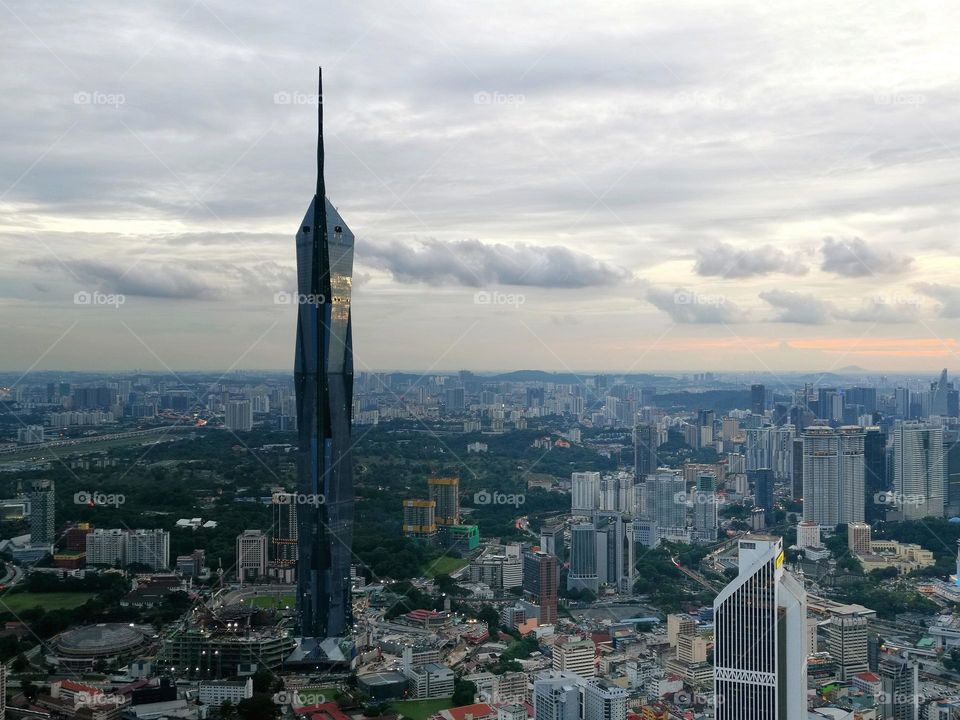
<point x="477" y="711"/>
<point x="320" y="711"/>
<point x="867" y="682"/>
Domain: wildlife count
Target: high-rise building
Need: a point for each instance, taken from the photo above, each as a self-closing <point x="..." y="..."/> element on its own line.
<point x="540" y="581"/>
<point x="575" y="655"/>
<point x="445" y="492"/>
<point x="808" y="534"/>
<point x="602" y="700"/>
<point x="665" y="500"/>
<point x="583" y="558"/>
<point x="323" y="379"/>
<point x="706" y="521"/>
<point x="239" y="416"/>
<point x="919" y="474"/>
<point x="556" y="696"/>
<point x="847" y="644"/>
<point x="796" y="476"/>
<point x="900" y="679"/>
<point x="284" y="528"/>
<point x="551" y="540"/>
<point x="875" y="473"/>
<point x="43" y="525"/>
<point x="251" y="554"/>
<point x="646" y="441"/>
<point x="615" y="551"/>
<point x="763" y="497"/>
<point x="858" y="538"/>
<point x="419" y="519"/>
<point x="758" y="399"/>
<point x="149" y="547"/>
<point x="584" y="492"/>
<point x="833" y="475"/>
<point x="760" y="650"/>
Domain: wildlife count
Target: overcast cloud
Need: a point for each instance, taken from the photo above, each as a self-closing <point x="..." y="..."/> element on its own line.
<point x="783" y="165"/>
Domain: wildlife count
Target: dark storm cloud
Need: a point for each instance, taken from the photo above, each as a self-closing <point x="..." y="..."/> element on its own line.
<point x="725" y="260"/>
<point x="473" y="264"/>
<point x="852" y="257"/>
<point x="797" y="307"/>
<point x="691" y="307"/>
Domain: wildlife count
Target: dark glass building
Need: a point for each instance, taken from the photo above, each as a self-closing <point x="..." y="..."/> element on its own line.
<point x="875" y="475"/>
<point x="323" y="377"/>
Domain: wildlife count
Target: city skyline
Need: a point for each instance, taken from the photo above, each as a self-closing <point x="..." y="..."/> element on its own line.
<point x="685" y="202"/>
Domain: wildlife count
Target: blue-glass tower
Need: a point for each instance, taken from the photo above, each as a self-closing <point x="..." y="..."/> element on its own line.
<point x="323" y="376"/>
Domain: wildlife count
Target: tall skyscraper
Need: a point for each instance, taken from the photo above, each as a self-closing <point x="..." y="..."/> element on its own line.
<point x="540" y="578"/>
<point x="251" y="554"/>
<point x="615" y="551"/>
<point x="645" y="443"/>
<point x="758" y="399"/>
<point x="875" y="472"/>
<point x="900" y="678"/>
<point x="760" y="650"/>
<point x="238" y="416"/>
<point x="847" y="644"/>
<point x="762" y="482"/>
<point x="919" y="473"/>
<point x="284" y="528"/>
<point x="665" y="500"/>
<point x="323" y="377"/>
<point x="833" y="475"/>
<point x="445" y="491"/>
<point x="584" y="492"/>
<point x="42" y="520"/>
<point x="705" y="517"/>
<point x="583" y="558"/>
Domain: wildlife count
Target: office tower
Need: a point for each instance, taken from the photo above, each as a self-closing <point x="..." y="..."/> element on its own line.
<point x="833" y="475"/>
<point x="584" y="492"/>
<point x="575" y="655"/>
<point x="865" y="397"/>
<point x="556" y="696"/>
<point x="603" y="700"/>
<point x="42" y="507"/>
<point x="808" y="534"/>
<point x="858" y="538"/>
<point x="323" y="378"/>
<point x="760" y="650"/>
<point x="847" y="644"/>
<point x="796" y="477"/>
<point x="583" y="558"/>
<point x="902" y="402"/>
<point x="665" y="500"/>
<point x="758" y="399"/>
<point x="900" y="678"/>
<point x="919" y="476"/>
<point x="782" y="451"/>
<point x="763" y="497"/>
<point x="875" y="472"/>
<point x="251" y="554"/>
<point x="540" y="581"/>
<point x="938" y="395"/>
<point x="551" y="540"/>
<point x="646" y="441"/>
<point x="445" y="491"/>
<point x="615" y="551"/>
<point x="239" y="416"/>
<point x="148" y="547"/>
<point x="705" y="518"/>
<point x="454" y="399"/>
<point x="759" y="447"/>
<point x="419" y="518"/>
<point x="284" y="528"/>
<point x="951" y="451"/>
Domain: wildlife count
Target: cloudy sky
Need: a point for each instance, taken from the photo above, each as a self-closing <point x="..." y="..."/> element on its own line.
<point x="569" y="186"/>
